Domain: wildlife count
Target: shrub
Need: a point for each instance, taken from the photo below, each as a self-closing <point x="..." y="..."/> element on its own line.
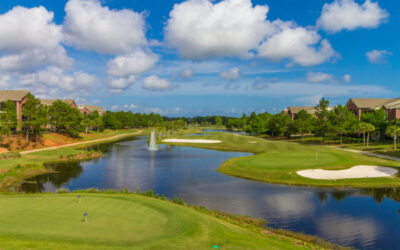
<point x="149" y="193"/>
<point x="10" y="155"/>
<point x="63" y="191"/>
<point x="73" y="133"/>
<point x="93" y="190"/>
<point x="175" y="200"/>
<point x="163" y="197"/>
<point x="156" y="196"/>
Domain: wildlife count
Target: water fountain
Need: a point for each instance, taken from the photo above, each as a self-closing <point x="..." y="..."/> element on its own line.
<point x="153" y="145"/>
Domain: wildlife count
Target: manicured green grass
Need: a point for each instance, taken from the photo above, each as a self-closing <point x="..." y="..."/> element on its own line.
<point x="384" y="147"/>
<point x="121" y="221"/>
<point x="278" y="162"/>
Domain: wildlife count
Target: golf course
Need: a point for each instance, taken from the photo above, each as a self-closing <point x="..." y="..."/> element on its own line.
<point x="123" y="221"/>
<point x="279" y="161"/>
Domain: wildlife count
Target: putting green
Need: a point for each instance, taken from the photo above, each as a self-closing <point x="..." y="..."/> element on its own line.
<point x="278" y="162"/>
<point x="120" y="221"/>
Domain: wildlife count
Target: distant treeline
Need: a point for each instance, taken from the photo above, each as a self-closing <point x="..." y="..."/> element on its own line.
<point x="337" y="122"/>
<point x="202" y="121"/>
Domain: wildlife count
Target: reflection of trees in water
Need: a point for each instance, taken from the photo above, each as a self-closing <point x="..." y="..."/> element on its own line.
<point x="378" y="194"/>
<point x="381" y="193"/>
<point x="322" y="196"/>
<point x="64" y="172"/>
<point x="339" y="195"/>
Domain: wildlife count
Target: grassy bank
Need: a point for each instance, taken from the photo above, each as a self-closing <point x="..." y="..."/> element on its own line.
<point x="383" y="147"/>
<point x="14" y="171"/>
<point x="123" y="221"/>
<point x="278" y="162"/>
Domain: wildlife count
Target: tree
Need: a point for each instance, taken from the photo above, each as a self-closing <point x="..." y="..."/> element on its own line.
<point x="365" y="129"/>
<point x="218" y="121"/>
<point x="65" y="118"/>
<point x="304" y="122"/>
<point x="86" y="123"/>
<point x="393" y="131"/>
<point x="279" y="124"/>
<point x="35" y="116"/>
<point x="343" y="121"/>
<point x="322" y="123"/>
<point x="8" y="117"/>
<point x="378" y="118"/>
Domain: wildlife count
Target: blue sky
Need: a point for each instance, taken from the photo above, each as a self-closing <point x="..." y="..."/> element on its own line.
<point x="200" y="57"/>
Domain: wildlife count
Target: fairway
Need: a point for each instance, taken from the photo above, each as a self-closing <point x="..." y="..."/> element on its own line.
<point x="120" y="221"/>
<point x="278" y="162"/>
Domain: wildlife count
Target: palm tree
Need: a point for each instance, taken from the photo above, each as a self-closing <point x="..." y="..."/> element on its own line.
<point x="393" y="131"/>
<point x="365" y="128"/>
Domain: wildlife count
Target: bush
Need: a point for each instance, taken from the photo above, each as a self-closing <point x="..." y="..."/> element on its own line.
<point x="163" y="197"/>
<point x="10" y="155"/>
<point x="63" y="191"/>
<point x="150" y="193"/>
<point x="73" y="133"/>
<point x="93" y="190"/>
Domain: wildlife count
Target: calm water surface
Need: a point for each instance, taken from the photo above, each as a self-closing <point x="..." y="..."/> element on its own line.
<point x="356" y="218"/>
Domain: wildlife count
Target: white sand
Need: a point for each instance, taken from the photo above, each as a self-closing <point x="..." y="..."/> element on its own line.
<point x="351" y="173"/>
<point x="191" y="141"/>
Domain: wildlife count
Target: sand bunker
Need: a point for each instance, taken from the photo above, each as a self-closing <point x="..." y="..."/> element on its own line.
<point x="191" y="141"/>
<point x="351" y="173"/>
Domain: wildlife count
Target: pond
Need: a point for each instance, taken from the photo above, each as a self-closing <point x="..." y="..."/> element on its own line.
<point x="351" y="217"/>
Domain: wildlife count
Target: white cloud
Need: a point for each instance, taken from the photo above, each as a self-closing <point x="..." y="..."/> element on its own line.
<point x="4" y="81"/>
<point x="237" y="28"/>
<point x="199" y="29"/>
<point x="29" y="39"/>
<point x="298" y="45"/>
<point x="187" y="74"/>
<point x="347" y="78"/>
<point x="349" y="15"/>
<point x="89" y="25"/>
<point x="161" y="111"/>
<point x="153" y="82"/>
<point x="23" y="28"/>
<point x="131" y="106"/>
<point x="260" y="83"/>
<point x="84" y="80"/>
<point x="121" y="83"/>
<point x="378" y="56"/>
<point x="56" y="80"/>
<point x="309" y="100"/>
<point x="34" y="58"/>
<point x="232" y="74"/>
<point x="114" y="107"/>
<point x="319" y="77"/>
<point x="131" y="64"/>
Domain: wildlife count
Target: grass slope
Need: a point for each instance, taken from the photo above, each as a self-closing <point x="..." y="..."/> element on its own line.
<point x="121" y="221"/>
<point x="278" y="162"/>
